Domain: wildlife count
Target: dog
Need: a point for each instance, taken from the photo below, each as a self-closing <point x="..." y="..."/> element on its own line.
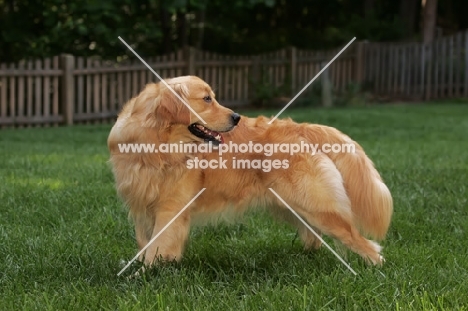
<point x="338" y="194"/>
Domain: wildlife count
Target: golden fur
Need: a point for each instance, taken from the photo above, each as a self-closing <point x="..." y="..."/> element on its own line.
<point x="339" y="194"/>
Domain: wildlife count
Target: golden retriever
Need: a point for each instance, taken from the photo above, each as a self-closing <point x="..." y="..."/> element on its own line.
<point x="339" y="194"/>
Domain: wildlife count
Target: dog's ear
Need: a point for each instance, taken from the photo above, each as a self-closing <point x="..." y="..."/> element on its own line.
<point x="146" y="101"/>
<point x="171" y="109"/>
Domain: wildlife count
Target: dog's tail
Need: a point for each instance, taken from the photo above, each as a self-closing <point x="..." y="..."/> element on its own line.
<point x="371" y="200"/>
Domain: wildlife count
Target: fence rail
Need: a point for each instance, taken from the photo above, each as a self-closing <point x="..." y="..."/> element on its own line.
<point x="66" y="89"/>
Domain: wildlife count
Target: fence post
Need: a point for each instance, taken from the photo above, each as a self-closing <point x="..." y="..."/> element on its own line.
<point x="190" y="60"/>
<point x="429" y="49"/>
<point x="255" y="78"/>
<point x="359" y="59"/>
<point x="327" y="100"/>
<point x="293" y="72"/>
<point x="67" y="101"/>
<point x="422" y="49"/>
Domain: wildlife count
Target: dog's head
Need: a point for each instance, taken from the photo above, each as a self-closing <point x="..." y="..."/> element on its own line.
<point x="170" y="111"/>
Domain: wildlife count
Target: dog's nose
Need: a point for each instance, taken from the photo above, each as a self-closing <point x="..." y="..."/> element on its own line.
<point x="235" y="118"/>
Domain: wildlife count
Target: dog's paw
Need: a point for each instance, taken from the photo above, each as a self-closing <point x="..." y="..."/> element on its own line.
<point x="382" y="259"/>
<point x="122" y="263"/>
<point x="309" y="240"/>
<point x="138" y="274"/>
<point x="312" y="245"/>
<point x="376" y="261"/>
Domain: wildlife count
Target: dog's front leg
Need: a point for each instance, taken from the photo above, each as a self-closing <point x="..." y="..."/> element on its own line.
<point x="169" y="245"/>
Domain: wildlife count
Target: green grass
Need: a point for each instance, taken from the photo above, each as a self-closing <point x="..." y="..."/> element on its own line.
<point x="64" y="233"/>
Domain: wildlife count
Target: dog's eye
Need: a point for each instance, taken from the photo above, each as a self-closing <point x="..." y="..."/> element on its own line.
<point x="207" y="99"/>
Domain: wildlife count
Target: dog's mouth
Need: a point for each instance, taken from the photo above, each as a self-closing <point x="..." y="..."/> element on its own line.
<point x="206" y="134"/>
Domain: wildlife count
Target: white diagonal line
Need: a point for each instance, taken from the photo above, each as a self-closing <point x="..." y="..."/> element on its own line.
<point x="160" y="232"/>
<point x="313" y="79"/>
<point x="161" y="79"/>
<point x="312" y="230"/>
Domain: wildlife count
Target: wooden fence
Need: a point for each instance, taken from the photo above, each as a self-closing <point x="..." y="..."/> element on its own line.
<point x="67" y="89"/>
<point x="417" y="71"/>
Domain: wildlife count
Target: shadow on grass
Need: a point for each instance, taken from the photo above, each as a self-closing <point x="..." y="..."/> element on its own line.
<point x="265" y="263"/>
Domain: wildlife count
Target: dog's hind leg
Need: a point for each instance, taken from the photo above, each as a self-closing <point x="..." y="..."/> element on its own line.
<point x="309" y="240"/>
<point x="319" y="196"/>
<point x="343" y="230"/>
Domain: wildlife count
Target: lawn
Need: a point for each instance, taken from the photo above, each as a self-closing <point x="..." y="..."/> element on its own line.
<point x="64" y="234"/>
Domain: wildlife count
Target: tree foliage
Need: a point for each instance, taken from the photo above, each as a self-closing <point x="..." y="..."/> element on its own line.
<point x="40" y="28"/>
